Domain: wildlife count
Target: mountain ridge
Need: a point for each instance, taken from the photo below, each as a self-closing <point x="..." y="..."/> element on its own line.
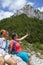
<point x="30" y="12"/>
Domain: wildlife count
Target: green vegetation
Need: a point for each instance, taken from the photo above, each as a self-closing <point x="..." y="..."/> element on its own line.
<point x="21" y="24"/>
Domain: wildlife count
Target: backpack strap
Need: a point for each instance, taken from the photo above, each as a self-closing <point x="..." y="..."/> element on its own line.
<point x="14" y="48"/>
<point x="14" y="45"/>
<point x="6" y="46"/>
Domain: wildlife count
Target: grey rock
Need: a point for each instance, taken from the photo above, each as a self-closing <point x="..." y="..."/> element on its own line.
<point x="30" y="12"/>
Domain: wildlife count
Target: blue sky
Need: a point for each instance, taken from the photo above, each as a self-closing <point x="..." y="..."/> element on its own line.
<point x="8" y="7"/>
<point x="38" y="3"/>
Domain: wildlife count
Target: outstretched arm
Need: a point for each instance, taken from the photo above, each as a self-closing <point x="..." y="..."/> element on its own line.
<point x="24" y="37"/>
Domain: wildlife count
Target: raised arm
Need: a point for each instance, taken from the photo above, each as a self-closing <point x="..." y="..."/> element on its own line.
<point x="22" y="38"/>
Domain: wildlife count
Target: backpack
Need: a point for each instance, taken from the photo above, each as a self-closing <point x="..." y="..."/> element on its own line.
<point x="13" y="44"/>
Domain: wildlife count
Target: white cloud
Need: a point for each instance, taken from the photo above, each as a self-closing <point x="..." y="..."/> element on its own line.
<point x="41" y="9"/>
<point x="18" y="4"/>
<point x="5" y="3"/>
<point x="4" y="14"/>
<point x="12" y="5"/>
<point x="31" y="3"/>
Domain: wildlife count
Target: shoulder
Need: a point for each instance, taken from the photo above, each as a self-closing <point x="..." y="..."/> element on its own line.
<point x="8" y="42"/>
<point x="11" y="41"/>
<point x="2" y="38"/>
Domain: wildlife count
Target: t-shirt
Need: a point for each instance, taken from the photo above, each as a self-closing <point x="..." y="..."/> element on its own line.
<point x="15" y="46"/>
<point x="4" y="44"/>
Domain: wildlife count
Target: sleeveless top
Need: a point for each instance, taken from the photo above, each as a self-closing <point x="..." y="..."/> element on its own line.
<point x="4" y="44"/>
<point x="15" y="46"/>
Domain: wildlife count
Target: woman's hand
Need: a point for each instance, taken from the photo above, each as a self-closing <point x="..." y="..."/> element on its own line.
<point x="28" y="33"/>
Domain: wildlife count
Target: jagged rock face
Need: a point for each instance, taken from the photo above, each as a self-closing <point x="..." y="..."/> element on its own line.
<point x="30" y="12"/>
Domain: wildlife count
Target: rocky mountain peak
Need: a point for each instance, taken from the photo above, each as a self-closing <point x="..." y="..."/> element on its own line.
<point x="30" y="12"/>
